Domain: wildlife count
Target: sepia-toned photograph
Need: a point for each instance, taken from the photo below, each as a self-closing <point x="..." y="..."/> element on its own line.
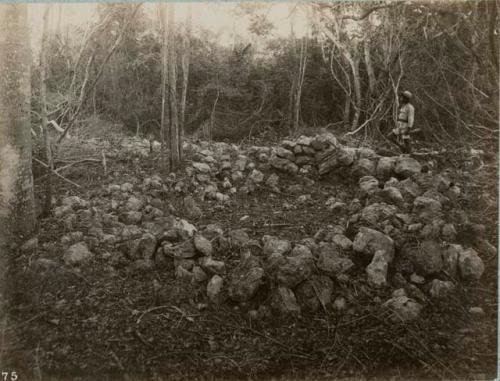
<point x="249" y="190"/>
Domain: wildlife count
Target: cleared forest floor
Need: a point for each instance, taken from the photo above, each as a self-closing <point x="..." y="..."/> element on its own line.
<point x="112" y="320"/>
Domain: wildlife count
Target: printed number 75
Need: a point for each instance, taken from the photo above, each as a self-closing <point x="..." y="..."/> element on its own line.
<point x="13" y="376"/>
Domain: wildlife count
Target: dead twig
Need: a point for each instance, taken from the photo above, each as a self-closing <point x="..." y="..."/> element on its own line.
<point x="57" y="174"/>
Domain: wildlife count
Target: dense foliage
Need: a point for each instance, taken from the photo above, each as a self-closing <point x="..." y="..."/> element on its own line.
<point x="357" y="57"/>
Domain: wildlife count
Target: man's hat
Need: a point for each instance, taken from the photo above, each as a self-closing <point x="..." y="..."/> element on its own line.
<point x="407" y="94"/>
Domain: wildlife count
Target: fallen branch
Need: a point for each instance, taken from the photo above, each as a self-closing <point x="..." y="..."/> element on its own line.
<point x="57" y="174"/>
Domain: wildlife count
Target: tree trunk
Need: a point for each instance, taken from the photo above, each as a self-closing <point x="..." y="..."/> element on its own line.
<point x="186" y="46"/>
<point x="357" y="91"/>
<point x="172" y="91"/>
<point x="164" y="95"/>
<point x="17" y="211"/>
<point x="300" y="82"/>
<point x="369" y="66"/>
<point x="47" y="206"/>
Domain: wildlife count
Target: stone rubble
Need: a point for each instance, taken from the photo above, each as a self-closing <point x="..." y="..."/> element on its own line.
<point x="394" y="201"/>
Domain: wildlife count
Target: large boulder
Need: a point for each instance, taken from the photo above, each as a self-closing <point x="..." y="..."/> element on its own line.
<point x="369" y="241"/>
<point x="407" y="166"/>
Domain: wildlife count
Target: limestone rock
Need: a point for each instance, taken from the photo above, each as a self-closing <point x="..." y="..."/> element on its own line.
<point x="427" y="209"/>
<point x="314" y="293"/>
<point x="295" y="270"/>
<point x="272" y="181"/>
<point x="201" y="167"/>
<point x="77" y="254"/>
<point x="193" y="211"/>
<point x="285" y="154"/>
<point x="284" y="165"/>
<point x="470" y="265"/>
<point x="368" y="185"/>
<point x="214" y="288"/>
<point x="369" y="241"/>
<point x="377" y="269"/>
<point x="213" y="266"/>
<point x="393" y="196"/>
<point x="342" y="241"/>
<point x="134" y="204"/>
<point x="385" y="167"/>
<point x="440" y="289"/>
<point x="377" y="212"/>
<point x="334" y="159"/>
<point x="203" y="245"/>
<point x="238" y="238"/>
<point x="331" y="261"/>
<point x="403" y="308"/>
<point x="283" y="300"/>
<point x="407" y="166"/>
<point x="246" y="279"/>
<point x="450" y="259"/>
<point x="427" y="258"/>
<point x="275" y="245"/>
<point x="363" y="167"/>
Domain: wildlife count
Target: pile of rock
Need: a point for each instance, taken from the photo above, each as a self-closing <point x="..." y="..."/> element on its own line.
<point x="326" y="155"/>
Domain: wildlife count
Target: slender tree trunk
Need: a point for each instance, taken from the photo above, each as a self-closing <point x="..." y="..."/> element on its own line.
<point x="47" y="206"/>
<point x="17" y="211"/>
<point x="164" y="116"/>
<point x="369" y="66"/>
<point x="300" y="82"/>
<point x="212" y="114"/>
<point x="172" y="90"/>
<point x="294" y="79"/>
<point x="357" y="92"/>
<point x="186" y="45"/>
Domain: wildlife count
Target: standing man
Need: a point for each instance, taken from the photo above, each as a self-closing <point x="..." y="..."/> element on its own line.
<point x="406" y="117"/>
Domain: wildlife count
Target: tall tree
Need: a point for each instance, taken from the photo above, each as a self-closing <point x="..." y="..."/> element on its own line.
<point x="164" y="94"/>
<point x="43" y="99"/>
<point x="174" y="142"/>
<point x="186" y="48"/>
<point x="17" y="212"/>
